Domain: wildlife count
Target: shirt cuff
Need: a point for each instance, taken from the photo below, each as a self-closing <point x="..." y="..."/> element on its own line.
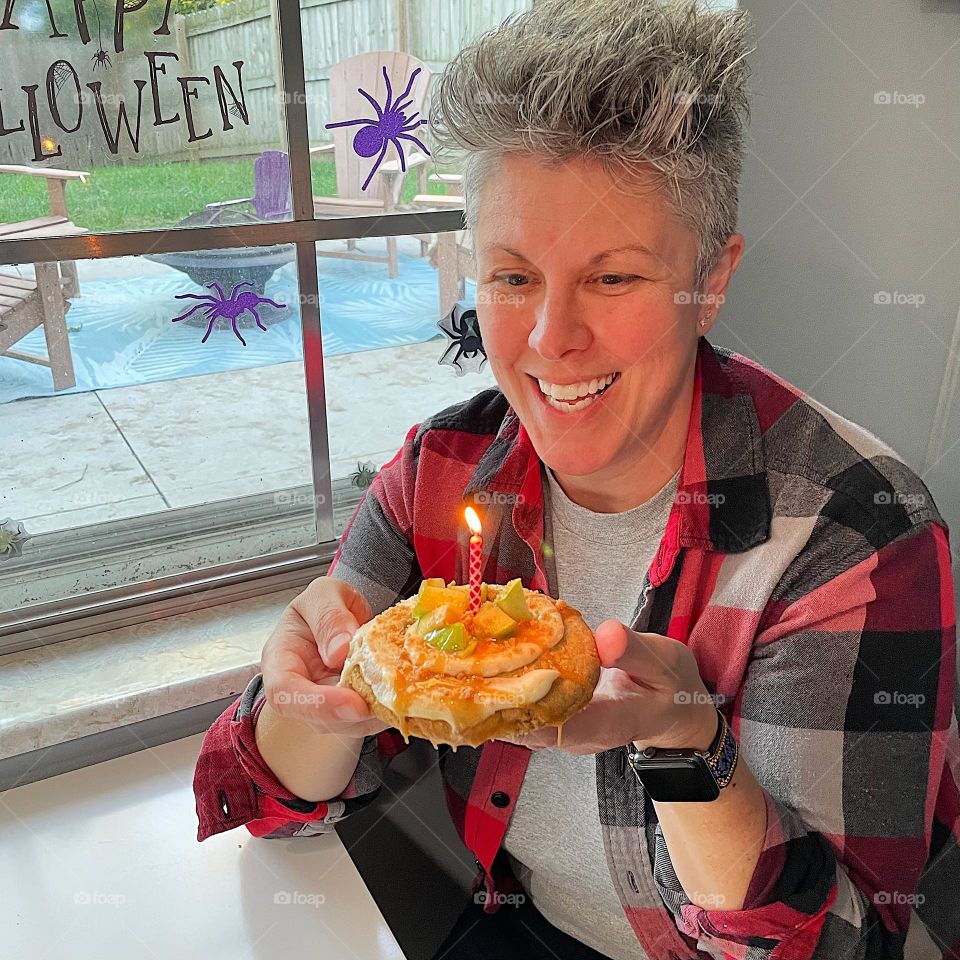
<point x="790" y="893"/>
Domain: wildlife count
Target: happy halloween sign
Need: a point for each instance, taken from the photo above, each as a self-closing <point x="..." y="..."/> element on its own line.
<point x="57" y="96"/>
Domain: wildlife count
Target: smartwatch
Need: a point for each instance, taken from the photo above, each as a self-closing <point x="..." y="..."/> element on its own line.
<point x="675" y="774"/>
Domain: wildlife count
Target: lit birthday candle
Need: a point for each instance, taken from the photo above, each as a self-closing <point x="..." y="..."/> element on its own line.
<point x="476" y="550"/>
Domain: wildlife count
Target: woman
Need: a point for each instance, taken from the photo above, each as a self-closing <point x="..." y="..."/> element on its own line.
<point x="759" y="572"/>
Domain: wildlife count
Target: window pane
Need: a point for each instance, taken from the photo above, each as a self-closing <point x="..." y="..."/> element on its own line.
<point x="347" y="47"/>
<point x="383" y="345"/>
<point x="358" y="170"/>
<point x="163" y="115"/>
<point x="180" y="424"/>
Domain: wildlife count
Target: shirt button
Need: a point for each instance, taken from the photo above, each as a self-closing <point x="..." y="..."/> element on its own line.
<point x="500" y="799"/>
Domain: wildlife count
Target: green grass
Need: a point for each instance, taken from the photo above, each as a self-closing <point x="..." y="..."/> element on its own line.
<point x="140" y="196"/>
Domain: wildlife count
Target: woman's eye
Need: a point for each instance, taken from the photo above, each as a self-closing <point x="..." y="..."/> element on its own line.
<point x="618" y="279"/>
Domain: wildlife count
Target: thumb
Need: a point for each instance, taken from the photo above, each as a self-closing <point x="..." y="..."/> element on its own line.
<point x="335" y="642"/>
<point x="611" y="638"/>
<point x="643" y="656"/>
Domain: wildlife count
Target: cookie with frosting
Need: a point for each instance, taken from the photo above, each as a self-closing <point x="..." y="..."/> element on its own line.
<point x="432" y="668"/>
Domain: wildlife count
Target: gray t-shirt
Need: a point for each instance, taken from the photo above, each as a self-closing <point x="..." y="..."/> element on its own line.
<point x="601" y="560"/>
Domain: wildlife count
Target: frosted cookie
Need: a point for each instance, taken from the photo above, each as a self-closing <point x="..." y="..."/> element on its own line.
<point x="432" y="669"/>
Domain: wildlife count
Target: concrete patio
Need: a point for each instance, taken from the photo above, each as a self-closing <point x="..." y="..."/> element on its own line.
<point x="129" y="451"/>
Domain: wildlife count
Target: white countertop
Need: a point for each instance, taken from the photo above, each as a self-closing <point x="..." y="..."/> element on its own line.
<point x="104" y="862"/>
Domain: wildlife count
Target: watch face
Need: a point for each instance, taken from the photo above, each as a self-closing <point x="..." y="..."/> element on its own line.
<point x="678" y="780"/>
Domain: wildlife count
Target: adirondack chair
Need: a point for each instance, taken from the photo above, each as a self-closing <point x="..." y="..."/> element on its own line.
<point x="27" y="302"/>
<point x="452" y="254"/>
<point x="347" y="108"/>
<point x="271" y="187"/>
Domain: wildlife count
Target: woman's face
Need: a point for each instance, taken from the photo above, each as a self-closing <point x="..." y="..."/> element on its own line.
<point x="563" y="304"/>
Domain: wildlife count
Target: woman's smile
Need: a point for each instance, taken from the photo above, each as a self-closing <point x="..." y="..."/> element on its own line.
<point x="560" y="398"/>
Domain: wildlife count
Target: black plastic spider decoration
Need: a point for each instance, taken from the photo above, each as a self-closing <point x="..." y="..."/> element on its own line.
<point x="463" y="329"/>
<point x="391" y="126"/>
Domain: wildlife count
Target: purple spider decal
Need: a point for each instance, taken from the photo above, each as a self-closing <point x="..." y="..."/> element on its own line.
<point x="229" y="308"/>
<point x="391" y="126"/>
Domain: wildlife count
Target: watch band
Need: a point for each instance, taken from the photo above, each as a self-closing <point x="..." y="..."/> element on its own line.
<point x="722" y="754"/>
<point x="720" y="757"/>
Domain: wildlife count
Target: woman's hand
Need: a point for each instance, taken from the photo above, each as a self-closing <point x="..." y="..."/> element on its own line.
<point x="650" y="691"/>
<point x="302" y="660"/>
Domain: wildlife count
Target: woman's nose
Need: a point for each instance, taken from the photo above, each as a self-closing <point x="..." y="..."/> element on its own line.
<point x="558" y="328"/>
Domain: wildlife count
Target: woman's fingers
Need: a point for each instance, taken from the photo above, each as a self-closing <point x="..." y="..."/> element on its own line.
<point x="329" y="708"/>
<point x="302" y="660"/>
<point x="332" y="611"/>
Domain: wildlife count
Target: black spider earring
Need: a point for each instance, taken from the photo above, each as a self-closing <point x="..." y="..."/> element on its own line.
<point x="466" y="350"/>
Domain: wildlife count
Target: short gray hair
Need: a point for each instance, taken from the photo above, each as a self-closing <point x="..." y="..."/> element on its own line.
<point x="656" y="86"/>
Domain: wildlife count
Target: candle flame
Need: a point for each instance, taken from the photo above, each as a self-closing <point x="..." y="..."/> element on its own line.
<point x="48" y="144"/>
<point x="473" y="521"/>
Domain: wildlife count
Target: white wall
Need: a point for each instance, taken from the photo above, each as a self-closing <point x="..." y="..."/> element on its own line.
<point x="843" y="198"/>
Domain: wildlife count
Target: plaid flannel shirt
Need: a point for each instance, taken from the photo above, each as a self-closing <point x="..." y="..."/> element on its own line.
<point x="807" y="568"/>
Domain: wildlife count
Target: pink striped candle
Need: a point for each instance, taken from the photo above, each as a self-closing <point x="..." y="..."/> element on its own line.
<point x="476" y="553"/>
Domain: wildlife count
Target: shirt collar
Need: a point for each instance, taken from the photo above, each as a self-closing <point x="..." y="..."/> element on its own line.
<point x="722" y="502"/>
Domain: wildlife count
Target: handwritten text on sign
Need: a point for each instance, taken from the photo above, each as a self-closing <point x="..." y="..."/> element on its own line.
<point x="64" y="100"/>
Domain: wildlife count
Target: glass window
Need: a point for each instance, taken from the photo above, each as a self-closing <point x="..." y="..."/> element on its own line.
<point x="208" y="344"/>
<point x="387" y="362"/>
<point x="181" y="396"/>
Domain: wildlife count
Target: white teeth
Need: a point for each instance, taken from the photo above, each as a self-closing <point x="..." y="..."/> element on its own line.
<point x="575" y="391"/>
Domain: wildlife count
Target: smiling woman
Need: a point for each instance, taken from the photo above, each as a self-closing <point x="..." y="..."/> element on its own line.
<point x="615" y="239"/>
